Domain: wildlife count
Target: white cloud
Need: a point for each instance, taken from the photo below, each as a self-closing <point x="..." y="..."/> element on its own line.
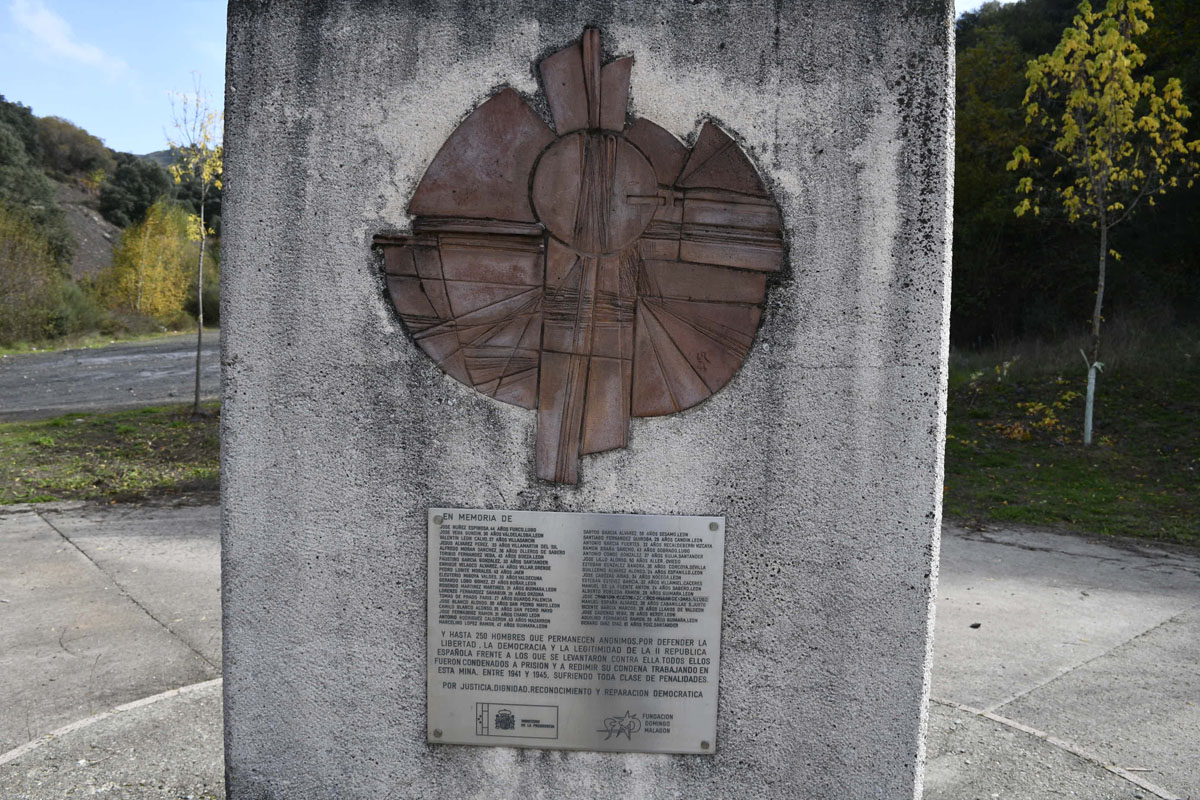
<point x="54" y="33"/>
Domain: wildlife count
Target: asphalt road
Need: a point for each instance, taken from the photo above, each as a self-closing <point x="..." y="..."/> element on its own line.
<point x="40" y="385"/>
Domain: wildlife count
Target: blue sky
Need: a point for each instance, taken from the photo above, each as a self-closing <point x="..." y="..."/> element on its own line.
<point x="111" y="66"/>
<point x="961" y="6"/>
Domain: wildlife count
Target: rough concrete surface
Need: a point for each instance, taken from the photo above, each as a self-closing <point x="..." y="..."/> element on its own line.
<point x="159" y="371"/>
<point x="102" y="606"/>
<point x="165" y="750"/>
<point x="1055" y="741"/>
<point x="1115" y="701"/>
<point x="1094" y="642"/>
<point x="972" y="758"/>
<point x="824" y="452"/>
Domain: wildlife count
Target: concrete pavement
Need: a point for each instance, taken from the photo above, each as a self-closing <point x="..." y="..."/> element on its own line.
<point x="154" y="372"/>
<point x="1063" y="666"/>
<point x="1085" y="662"/>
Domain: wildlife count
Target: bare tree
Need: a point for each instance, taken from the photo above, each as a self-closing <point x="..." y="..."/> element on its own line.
<point x="198" y="156"/>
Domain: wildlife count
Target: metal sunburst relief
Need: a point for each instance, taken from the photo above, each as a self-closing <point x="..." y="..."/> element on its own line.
<point x="596" y="271"/>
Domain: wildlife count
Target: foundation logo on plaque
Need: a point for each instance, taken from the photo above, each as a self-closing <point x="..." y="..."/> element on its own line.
<point x="595" y="271"/>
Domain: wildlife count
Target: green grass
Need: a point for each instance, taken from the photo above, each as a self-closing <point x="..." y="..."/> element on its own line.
<point x="1014" y="452"/>
<point x="90" y="341"/>
<point x="120" y="456"/>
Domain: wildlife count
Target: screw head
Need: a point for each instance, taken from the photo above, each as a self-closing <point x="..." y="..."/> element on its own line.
<point x="712" y="526"/>
<point x="437" y="519"/>
<point x="705" y="745"/>
<point x="437" y="733"/>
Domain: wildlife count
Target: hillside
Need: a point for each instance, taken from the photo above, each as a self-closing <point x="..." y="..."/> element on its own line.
<point x="163" y="158"/>
<point x="95" y="237"/>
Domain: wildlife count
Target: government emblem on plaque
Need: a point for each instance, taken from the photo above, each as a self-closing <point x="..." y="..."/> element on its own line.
<point x="596" y="271"/>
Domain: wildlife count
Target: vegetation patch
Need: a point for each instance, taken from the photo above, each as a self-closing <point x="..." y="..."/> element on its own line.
<point x="93" y="341"/>
<point x="122" y="456"/>
<point x="1014" y="452"/>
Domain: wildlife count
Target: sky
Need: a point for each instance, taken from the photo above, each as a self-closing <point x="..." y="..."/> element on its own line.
<point x="111" y="67"/>
<point x="963" y="6"/>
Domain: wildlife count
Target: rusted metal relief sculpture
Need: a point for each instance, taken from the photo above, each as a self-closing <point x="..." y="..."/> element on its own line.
<point x="601" y="273"/>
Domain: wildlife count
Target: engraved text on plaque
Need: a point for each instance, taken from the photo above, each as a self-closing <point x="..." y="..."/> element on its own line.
<point x="574" y="631"/>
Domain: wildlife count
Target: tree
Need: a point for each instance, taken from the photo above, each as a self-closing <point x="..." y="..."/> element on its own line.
<point x="23" y="185"/>
<point x="135" y="185"/>
<point x="19" y="118"/>
<point x="1117" y="139"/>
<point x="988" y="124"/>
<point x="1035" y="24"/>
<point x="150" y="270"/>
<point x="199" y="159"/>
<point x="994" y="252"/>
<point x="188" y="193"/>
<point x="68" y="151"/>
<point x="28" y="278"/>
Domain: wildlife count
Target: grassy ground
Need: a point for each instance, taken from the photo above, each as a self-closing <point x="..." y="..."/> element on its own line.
<point x="91" y="341"/>
<point x="1014" y="453"/>
<point x="114" y="457"/>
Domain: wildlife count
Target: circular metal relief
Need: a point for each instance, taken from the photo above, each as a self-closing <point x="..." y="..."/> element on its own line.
<point x="596" y="271"/>
<point x="595" y="192"/>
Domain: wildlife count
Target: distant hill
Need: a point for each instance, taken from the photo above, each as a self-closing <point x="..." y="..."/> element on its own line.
<point x="161" y="157"/>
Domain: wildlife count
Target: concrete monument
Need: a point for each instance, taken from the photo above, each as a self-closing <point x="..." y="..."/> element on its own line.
<point x="730" y="219"/>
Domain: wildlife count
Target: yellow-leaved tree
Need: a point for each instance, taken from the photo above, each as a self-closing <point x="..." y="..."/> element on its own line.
<point x="151" y="266"/>
<point x="1114" y="138"/>
<point x="199" y="159"/>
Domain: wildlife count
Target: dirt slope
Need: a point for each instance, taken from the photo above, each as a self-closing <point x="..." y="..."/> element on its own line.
<point x="95" y="236"/>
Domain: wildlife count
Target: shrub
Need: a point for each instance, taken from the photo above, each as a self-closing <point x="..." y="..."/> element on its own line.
<point x="29" y="279"/>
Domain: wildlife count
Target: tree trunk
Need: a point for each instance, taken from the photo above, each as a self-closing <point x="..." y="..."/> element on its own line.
<point x="199" y="307"/>
<point x="141" y="267"/>
<point x="1093" y="361"/>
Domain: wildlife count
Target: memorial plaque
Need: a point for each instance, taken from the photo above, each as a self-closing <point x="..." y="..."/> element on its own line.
<point x="574" y="631"/>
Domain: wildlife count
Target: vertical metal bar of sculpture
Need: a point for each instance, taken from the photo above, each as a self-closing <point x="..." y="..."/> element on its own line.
<point x="601" y="273"/>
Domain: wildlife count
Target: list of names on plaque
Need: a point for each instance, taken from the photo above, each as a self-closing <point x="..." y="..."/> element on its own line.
<point x="574" y="631"/>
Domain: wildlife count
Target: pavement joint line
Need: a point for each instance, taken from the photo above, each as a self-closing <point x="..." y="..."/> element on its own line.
<point x="1068" y="670"/>
<point x="58" y="733"/>
<point x="1061" y="744"/>
<point x="122" y="589"/>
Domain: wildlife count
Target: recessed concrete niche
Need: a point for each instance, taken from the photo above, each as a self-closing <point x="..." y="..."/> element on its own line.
<point x="667" y="259"/>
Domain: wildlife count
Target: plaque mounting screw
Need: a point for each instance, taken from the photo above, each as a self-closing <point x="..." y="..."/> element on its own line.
<point x="706" y="745"/>
<point x="712" y="526"/>
<point x="437" y="519"/>
<point x="437" y="734"/>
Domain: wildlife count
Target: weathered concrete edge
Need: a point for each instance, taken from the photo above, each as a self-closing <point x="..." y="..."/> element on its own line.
<point x="72" y="727"/>
<point x="943" y="390"/>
